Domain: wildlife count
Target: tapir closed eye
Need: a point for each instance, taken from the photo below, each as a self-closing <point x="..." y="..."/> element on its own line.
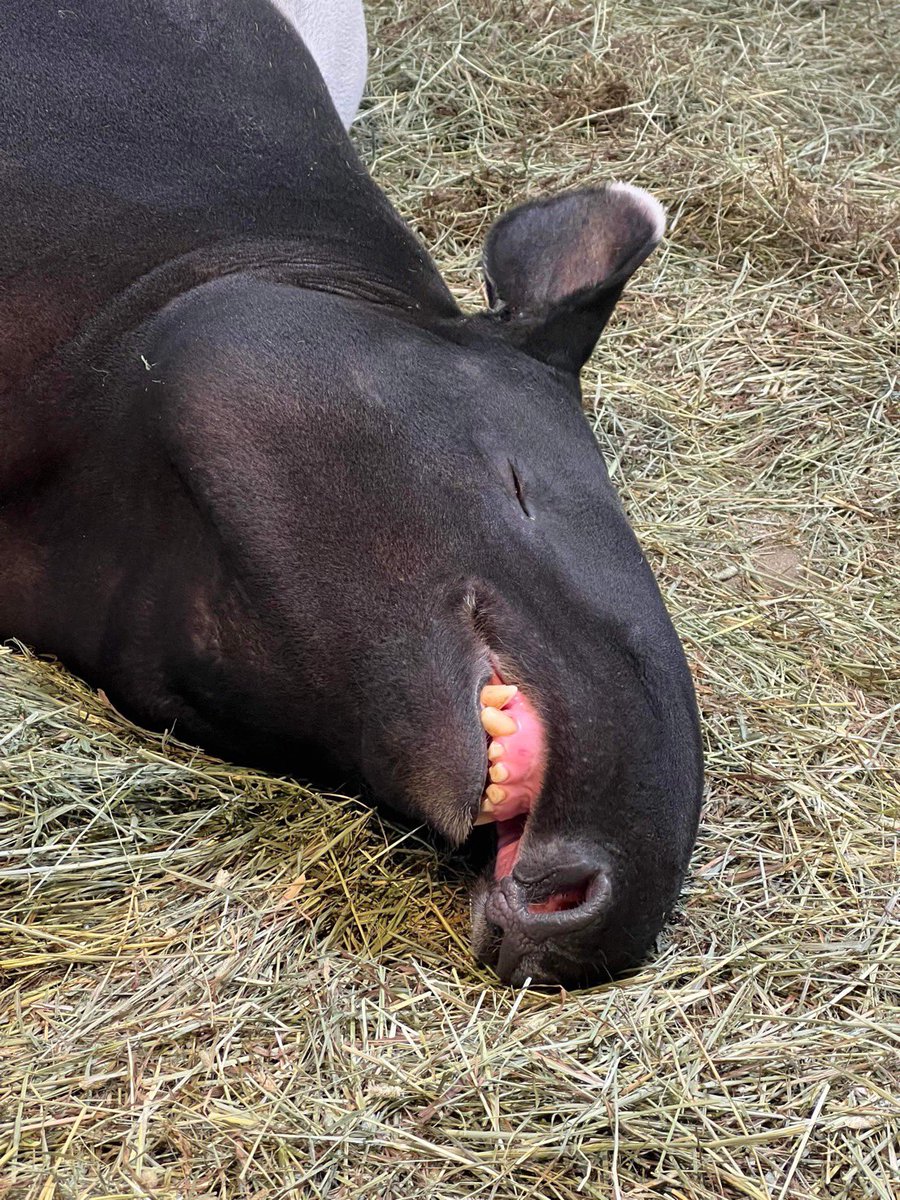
<point x="262" y="478"/>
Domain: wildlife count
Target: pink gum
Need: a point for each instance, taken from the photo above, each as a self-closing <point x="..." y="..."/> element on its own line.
<point x="524" y="756"/>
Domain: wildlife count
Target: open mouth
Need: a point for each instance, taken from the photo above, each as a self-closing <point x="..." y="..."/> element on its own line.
<point x="517" y="766"/>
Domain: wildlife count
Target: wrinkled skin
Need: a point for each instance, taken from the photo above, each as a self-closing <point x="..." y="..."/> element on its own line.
<point x="263" y="481"/>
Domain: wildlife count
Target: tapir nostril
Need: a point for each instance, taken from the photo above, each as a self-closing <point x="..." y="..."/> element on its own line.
<point x="577" y="899"/>
<point x="572" y="877"/>
<point x="560" y="901"/>
<point x="569" y="891"/>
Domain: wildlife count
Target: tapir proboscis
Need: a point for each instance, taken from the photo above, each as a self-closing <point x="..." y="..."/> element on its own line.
<point x="263" y="481"/>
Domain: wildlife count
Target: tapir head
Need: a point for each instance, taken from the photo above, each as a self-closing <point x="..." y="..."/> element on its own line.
<point x="448" y="599"/>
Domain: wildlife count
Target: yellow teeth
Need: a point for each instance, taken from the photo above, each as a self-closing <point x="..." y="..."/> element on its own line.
<point x="496" y="723"/>
<point x="489" y="801"/>
<point x="495" y="695"/>
<point x="486" y="812"/>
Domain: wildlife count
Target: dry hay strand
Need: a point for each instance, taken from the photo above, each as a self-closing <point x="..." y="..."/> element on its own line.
<point x="221" y="984"/>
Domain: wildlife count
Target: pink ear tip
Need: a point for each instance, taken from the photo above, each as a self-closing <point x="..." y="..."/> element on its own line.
<point x="645" y="202"/>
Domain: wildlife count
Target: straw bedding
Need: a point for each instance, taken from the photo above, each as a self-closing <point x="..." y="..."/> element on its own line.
<point x="220" y="984"/>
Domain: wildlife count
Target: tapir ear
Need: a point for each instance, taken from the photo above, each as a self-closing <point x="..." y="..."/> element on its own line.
<point x="555" y="268"/>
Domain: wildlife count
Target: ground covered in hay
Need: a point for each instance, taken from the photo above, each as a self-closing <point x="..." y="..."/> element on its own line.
<point x="219" y="984"/>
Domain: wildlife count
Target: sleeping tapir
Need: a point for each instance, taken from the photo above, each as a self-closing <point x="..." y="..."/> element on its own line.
<point x="265" y="483"/>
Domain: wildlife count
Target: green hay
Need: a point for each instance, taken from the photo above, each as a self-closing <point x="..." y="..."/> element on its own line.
<point x="220" y="984"/>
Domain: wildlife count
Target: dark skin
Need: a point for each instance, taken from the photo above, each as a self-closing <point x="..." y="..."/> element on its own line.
<point x="262" y="480"/>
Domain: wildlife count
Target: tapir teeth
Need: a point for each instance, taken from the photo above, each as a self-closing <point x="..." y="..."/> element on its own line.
<point x="498" y="773"/>
<point x="495" y="695"/>
<point x="486" y="812"/>
<point x="495" y="795"/>
<point x="497" y="723"/>
<point x="495" y="751"/>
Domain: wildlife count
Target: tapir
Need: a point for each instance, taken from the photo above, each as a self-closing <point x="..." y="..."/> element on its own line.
<point x="265" y="483"/>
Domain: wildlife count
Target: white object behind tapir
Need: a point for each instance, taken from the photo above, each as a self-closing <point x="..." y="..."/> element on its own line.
<point x="335" y="34"/>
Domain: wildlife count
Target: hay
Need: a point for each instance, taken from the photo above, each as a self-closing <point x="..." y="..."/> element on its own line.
<point x="219" y="984"/>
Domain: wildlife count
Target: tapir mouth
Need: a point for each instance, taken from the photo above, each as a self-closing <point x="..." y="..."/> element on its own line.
<point x="517" y="755"/>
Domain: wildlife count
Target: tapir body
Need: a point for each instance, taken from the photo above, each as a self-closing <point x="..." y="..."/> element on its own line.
<point x="265" y="483"/>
